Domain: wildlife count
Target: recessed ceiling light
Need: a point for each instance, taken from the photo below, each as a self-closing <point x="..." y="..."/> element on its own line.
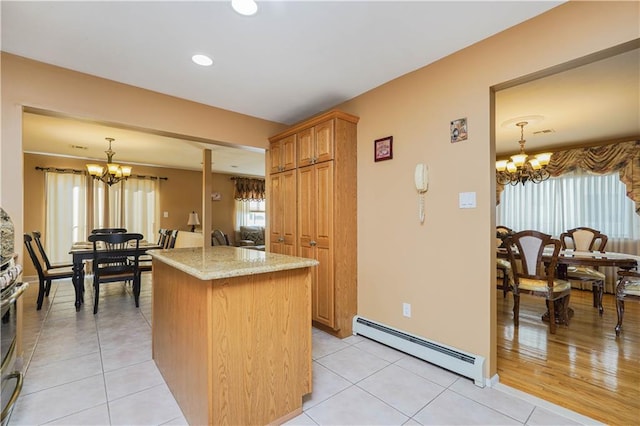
<point x="203" y="60"/>
<point x="245" y="7"/>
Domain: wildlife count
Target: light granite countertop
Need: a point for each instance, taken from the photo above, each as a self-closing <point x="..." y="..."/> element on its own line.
<point x="210" y="263"/>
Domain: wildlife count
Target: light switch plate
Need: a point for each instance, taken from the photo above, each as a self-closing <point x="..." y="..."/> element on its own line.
<point x="467" y="200"/>
<point x="166" y="214"/>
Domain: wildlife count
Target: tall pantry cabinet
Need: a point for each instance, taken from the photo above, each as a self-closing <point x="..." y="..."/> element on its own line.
<point x="312" y="211"/>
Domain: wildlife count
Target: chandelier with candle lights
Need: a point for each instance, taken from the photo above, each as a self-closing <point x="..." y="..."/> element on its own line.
<point x="519" y="170"/>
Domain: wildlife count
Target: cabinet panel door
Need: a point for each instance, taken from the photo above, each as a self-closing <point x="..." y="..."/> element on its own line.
<point x="288" y="190"/>
<point x="324" y="148"/>
<point x="288" y="155"/>
<point x="324" y="297"/>
<point x="306" y="151"/>
<point x="276" y="213"/>
<point x="306" y="206"/>
<point x="275" y="156"/>
<point x="324" y="204"/>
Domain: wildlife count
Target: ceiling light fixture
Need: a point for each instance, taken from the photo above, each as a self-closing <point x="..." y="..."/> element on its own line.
<point x="519" y="170"/>
<point x="203" y="60"/>
<point x="245" y="7"/>
<point x="113" y="173"/>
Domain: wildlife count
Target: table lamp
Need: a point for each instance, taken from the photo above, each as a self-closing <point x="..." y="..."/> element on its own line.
<point x="193" y="221"/>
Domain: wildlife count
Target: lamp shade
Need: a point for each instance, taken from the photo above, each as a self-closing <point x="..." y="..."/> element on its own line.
<point x="193" y="219"/>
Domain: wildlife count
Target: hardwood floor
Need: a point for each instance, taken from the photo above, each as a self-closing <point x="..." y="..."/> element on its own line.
<point x="583" y="367"/>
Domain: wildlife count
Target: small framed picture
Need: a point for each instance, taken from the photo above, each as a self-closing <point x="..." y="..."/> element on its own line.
<point x="383" y="149"/>
<point x="459" y="130"/>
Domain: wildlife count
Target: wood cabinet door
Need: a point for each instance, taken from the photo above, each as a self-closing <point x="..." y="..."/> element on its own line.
<point x="282" y="213"/>
<point x="325" y="285"/>
<point x="324" y="143"/>
<point x="275" y="156"/>
<point x="276" y="213"/>
<point x="315" y="230"/>
<point x="288" y="154"/>
<point x="288" y="190"/>
<point x="306" y="150"/>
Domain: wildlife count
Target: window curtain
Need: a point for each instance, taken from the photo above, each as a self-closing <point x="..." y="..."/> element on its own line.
<point x="141" y="212"/>
<point x="622" y="157"/>
<point x="572" y="200"/>
<point x="65" y="213"/>
<point x="249" y="189"/>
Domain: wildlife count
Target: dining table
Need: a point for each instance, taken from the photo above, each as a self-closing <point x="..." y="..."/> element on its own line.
<point x="83" y="250"/>
<point x="594" y="259"/>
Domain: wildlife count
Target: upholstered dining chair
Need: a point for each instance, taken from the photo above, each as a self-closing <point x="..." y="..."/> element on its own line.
<point x="532" y="275"/>
<point x="45" y="275"/>
<point x="43" y="254"/>
<point x="627" y="287"/>
<point x="116" y="259"/>
<point x="586" y="239"/>
<point x="503" y="265"/>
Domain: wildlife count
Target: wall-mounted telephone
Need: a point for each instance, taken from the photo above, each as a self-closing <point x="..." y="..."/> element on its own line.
<point x="422" y="185"/>
<point x="422" y="178"/>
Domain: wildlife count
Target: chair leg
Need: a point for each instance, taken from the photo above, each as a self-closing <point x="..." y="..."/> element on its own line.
<point x="599" y="289"/>
<point x="96" y="291"/>
<point x="516" y="309"/>
<point x="47" y="287"/>
<point x="620" y="310"/>
<point x="552" y="316"/>
<point x="505" y="283"/>
<point x="41" y="292"/>
<point x="136" y="290"/>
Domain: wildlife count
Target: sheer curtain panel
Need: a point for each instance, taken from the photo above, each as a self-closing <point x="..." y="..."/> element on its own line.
<point x="65" y="213"/>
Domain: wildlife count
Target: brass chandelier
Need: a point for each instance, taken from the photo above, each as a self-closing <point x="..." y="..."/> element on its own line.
<point x="519" y="170"/>
<point x="113" y="172"/>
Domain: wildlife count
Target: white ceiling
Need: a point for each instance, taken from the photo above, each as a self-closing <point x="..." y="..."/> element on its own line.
<point x="288" y="62"/>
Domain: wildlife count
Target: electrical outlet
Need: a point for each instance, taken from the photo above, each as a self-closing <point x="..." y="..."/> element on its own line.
<point x="406" y="310"/>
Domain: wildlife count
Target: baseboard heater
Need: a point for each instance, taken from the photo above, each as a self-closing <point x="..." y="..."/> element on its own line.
<point x="463" y="363"/>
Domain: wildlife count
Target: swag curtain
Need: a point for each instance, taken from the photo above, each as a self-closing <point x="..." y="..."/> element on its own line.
<point x="249" y="189"/>
<point x="623" y="157"/>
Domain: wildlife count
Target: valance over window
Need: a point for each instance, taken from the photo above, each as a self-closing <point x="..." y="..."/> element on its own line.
<point x="249" y="189"/>
<point x="622" y="157"/>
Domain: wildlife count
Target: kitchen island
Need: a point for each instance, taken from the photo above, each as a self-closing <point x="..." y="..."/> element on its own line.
<point x="232" y="333"/>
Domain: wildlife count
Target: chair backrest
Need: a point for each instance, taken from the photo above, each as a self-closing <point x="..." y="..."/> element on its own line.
<point x="162" y="237"/>
<point x="502" y="232"/>
<point x="110" y="256"/>
<point x="171" y="240"/>
<point x="43" y="254"/>
<point x="525" y="251"/>
<point x="33" y="256"/>
<point x="109" y="231"/>
<point x="584" y="239"/>
<point x="219" y="238"/>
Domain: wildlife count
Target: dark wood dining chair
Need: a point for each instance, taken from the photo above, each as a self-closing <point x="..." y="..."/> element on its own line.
<point x="503" y="265"/>
<point x="586" y="239"/>
<point x="45" y="276"/>
<point x="532" y="275"/>
<point x="627" y="288"/>
<point x="171" y="240"/>
<point x="43" y="254"/>
<point x="109" y="231"/>
<point x="115" y="259"/>
<point x="163" y="235"/>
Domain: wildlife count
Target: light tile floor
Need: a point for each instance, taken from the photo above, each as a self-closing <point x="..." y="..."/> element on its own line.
<point x="83" y="369"/>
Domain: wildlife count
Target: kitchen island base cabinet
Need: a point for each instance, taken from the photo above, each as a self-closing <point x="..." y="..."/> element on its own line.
<point x="234" y="350"/>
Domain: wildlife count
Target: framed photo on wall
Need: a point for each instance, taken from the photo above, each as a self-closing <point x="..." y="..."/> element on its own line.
<point x="383" y="149"/>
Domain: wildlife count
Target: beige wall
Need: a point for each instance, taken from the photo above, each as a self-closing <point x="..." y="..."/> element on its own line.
<point x="179" y="195"/>
<point x="444" y="268"/>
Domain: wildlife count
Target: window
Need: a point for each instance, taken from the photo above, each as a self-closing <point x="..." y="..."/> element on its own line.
<point x="569" y="201"/>
<point x="250" y="213"/>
